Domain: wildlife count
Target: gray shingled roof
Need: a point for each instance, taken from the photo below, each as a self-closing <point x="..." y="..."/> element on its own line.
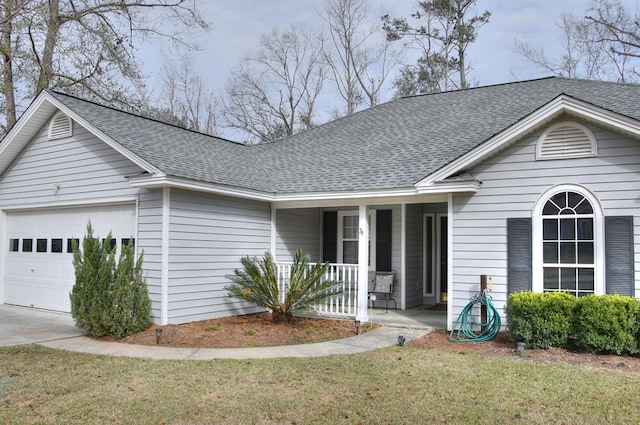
<point x="390" y="146"/>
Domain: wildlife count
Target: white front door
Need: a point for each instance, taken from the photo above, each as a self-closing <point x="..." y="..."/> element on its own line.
<point x="39" y="269"/>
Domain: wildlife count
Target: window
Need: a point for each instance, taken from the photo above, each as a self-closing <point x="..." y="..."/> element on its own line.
<point x="56" y="245"/>
<point x="568" y="244"/>
<point x="27" y="245"/>
<point x="348" y="233"/>
<point x="127" y="241"/>
<point x="70" y="243"/>
<point x="14" y="245"/>
<point x="41" y="245"/>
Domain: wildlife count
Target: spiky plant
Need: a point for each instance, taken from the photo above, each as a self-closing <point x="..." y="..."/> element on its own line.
<point x="257" y="282"/>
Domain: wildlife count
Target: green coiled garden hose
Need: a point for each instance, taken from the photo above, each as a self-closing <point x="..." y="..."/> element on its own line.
<point x="466" y="327"/>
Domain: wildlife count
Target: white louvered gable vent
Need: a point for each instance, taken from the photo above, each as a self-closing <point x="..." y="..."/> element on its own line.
<point x="60" y="126"/>
<point x="566" y="140"/>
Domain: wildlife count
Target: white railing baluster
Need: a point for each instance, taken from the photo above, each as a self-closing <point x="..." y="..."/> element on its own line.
<point x="343" y="305"/>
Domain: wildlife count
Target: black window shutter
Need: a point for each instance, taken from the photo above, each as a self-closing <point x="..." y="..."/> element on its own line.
<point x="619" y="255"/>
<point x="330" y="236"/>
<point x="518" y="255"/>
<point x="383" y="240"/>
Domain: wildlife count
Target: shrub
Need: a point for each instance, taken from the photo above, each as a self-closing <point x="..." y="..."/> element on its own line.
<point x="257" y="282"/>
<point x="108" y="298"/>
<point x="607" y="324"/>
<point x="540" y="320"/>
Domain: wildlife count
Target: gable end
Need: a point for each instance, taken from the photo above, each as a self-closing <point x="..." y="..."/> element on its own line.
<point x="566" y="140"/>
<point x="61" y="126"/>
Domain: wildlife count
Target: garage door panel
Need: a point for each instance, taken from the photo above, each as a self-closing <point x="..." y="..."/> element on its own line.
<point x="45" y="279"/>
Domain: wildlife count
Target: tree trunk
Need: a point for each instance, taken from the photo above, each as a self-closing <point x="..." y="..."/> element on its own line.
<point x="8" y="88"/>
<point x="46" y="61"/>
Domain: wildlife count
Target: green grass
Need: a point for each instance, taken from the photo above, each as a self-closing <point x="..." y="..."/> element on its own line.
<point x="397" y="385"/>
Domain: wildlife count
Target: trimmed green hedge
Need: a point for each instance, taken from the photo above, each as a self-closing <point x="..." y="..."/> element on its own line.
<point x="607" y="324"/>
<point x="540" y="320"/>
<point x="596" y="323"/>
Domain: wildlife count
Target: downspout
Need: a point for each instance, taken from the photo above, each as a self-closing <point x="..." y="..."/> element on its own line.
<point x="164" y="273"/>
<point x="403" y="256"/>
<point x="363" y="264"/>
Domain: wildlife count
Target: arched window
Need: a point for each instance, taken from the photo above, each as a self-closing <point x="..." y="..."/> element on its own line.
<point x="568" y="243"/>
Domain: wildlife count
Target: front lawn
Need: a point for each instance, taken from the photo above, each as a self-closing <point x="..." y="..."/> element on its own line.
<point x="393" y="385"/>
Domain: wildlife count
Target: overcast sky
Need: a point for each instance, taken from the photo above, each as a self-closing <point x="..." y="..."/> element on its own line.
<point x="237" y="26"/>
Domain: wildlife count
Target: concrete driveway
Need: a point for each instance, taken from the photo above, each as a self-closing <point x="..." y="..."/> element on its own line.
<point x="23" y="325"/>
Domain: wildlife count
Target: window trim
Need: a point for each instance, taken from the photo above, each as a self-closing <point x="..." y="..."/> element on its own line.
<point x="598" y="236"/>
<point x="371" y="215"/>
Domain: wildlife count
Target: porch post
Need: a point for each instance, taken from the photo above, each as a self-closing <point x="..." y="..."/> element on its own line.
<point x="363" y="264"/>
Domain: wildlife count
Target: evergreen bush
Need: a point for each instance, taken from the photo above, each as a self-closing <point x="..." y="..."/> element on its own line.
<point x="540" y="320"/>
<point x="607" y="324"/>
<point x="108" y="298"/>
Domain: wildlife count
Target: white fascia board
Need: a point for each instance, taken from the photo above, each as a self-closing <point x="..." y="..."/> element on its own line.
<point x="436" y="193"/>
<point x="561" y="104"/>
<point x="160" y="181"/>
<point x="24" y="130"/>
<point x="106" y="139"/>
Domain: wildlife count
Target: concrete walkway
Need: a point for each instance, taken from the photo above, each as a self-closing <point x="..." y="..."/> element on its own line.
<point x="20" y="326"/>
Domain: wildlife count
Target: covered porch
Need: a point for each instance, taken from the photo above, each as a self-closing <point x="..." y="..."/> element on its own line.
<point x="408" y="239"/>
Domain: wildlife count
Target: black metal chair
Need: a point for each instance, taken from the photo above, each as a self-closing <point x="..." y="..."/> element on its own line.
<point x="381" y="288"/>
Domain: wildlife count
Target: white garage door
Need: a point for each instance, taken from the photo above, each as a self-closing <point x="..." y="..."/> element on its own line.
<point x="39" y="268"/>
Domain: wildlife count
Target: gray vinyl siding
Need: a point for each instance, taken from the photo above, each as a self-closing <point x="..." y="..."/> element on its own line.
<point x="208" y="236"/>
<point x="150" y="240"/>
<point x="298" y="229"/>
<point x="414" y="256"/>
<point x="512" y="182"/>
<point x="85" y="167"/>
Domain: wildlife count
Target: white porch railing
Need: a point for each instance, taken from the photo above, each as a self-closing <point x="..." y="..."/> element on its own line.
<point x="342" y="304"/>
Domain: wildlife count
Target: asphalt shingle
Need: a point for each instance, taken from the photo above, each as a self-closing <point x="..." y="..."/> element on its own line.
<point x="390" y="146"/>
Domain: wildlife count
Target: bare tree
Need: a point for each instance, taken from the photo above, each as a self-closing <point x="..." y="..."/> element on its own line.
<point x="592" y="48"/>
<point x="185" y="99"/>
<point x="272" y="93"/>
<point x="359" y="56"/>
<point x="443" y="33"/>
<point x="86" y="47"/>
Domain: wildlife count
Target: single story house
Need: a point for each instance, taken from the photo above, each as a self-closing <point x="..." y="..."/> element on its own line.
<point x="535" y="184"/>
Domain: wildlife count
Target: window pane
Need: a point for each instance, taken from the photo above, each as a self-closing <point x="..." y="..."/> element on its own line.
<point x="585" y="280"/>
<point x="350" y="227"/>
<point x="27" y="245"/>
<point x="41" y="245"/>
<point x="584" y="208"/>
<point x="56" y="245"/>
<point x="567" y="252"/>
<point x="574" y="199"/>
<point x="550" y="252"/>
<point x="568" y="279"/>
<point x="14" y="245"/>
<point x="350" y="252"/>
<point x="127" y="241"/>
<point x="560" y="199"/>
<point x="550" y="209"/>
<point x="567" y="229"/>
<point x="551" y="281"/>
<point x="70" y="244"/>
<point x="585" y="253"/>
<point x="550" y="229"/>
<point x="585" y="229"/>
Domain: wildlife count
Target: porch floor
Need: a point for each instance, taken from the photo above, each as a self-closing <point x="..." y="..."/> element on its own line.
<point x="418" y="317"/>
